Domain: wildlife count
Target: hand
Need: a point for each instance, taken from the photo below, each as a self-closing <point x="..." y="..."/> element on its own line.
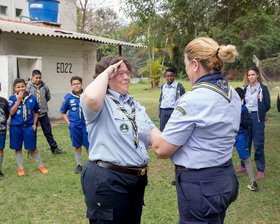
<point x="34" y="127"/>
<point x="20" y="95"/>
<point x="266" y="118"/>
<point x="112" y="70"/>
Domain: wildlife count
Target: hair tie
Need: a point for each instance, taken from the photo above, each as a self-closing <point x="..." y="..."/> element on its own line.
<point x="217" y="51"/>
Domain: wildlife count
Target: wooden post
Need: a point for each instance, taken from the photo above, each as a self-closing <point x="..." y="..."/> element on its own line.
<point x="120" y="50"/>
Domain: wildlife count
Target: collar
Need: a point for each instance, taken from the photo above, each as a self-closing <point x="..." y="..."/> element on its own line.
<point x="75" y="94"/>
<point x="173" y="84"/>
<point x="256" y="88"/>
<point x="119" y="97"/>
<point x="216" y="82"/>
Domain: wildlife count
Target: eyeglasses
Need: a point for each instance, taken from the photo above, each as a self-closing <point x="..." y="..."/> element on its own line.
<point x="76" y="84"/>
<point x="122" y="73"/>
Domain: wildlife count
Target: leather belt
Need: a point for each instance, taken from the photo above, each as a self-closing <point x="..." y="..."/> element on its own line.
<point x="182" y="168"/>
<point x="251" y="112"/>
<point x="137" y="171"/>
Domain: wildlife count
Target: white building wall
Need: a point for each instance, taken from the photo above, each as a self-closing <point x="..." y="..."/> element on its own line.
<point x="61" y="59"/>
<point x="67" y="15"/>
<point x="12" y="5"/>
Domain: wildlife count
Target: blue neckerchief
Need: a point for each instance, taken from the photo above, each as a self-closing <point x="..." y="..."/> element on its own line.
<point x="216" y="82"/>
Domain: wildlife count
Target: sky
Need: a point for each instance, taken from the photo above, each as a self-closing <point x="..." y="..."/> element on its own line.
<point x="115" y="5"/>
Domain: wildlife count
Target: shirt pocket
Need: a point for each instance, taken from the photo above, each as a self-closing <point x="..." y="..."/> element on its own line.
<point x="122" y="123"/>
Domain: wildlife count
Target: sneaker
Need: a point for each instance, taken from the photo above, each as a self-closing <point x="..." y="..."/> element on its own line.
<point x="173" y="182"/>
<point x="57" y="151"/>
<point x="78" y="169"/>
<point x="43" y="169"/>
<point x="241" y="170"/>
<point x="260" y="175"/>
<point x="253" y="186"/>
<point x="20" y="172"/>
<point x="1" y="174"/>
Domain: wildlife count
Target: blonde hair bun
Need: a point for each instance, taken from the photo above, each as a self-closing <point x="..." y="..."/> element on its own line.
<point x="227" y="53"/>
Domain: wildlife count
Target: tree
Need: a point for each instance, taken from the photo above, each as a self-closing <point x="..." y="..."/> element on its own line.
<point x="104" y="21"/>
<point x="153" y="69"/>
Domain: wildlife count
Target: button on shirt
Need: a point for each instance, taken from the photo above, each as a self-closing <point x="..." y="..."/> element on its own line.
<point x="110" y="132"/>
<point x="71" y="102"/>
<point x="169" y="95"/>
<point x="204" y="124"/>
<point x="251" y="97"/>
<point x="31" y="107"/>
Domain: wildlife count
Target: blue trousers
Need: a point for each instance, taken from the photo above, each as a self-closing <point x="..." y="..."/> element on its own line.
<point x="256" y="135"/>
<point x="204" y="195"/>
<point x="164" y="115"/>
<point x="47" y="130"/>
<point x="112" y="197"/>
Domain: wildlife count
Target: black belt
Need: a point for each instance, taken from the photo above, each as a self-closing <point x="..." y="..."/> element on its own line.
<point x="182" y="168"/>
<point x="252" y="112"/>
<point x="137" y="171"/>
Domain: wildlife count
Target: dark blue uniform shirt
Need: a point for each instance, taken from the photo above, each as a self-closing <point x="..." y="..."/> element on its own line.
<point x="71" y="102"/>
<point x="31" y="107"/>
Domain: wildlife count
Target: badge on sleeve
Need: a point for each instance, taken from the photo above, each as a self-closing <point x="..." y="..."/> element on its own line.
<point x="181" y="109"/>
<point x="124" y="128"/>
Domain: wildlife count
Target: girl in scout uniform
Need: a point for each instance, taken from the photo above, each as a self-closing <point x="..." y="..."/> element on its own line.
<point x="24" y="111"/>
<point x="200" y="135"/>
<point x="257" y="100"/>
<point x="119" y="131"/>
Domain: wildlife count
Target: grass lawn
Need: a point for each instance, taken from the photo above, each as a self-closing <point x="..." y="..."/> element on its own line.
<point x="57" y="197"/>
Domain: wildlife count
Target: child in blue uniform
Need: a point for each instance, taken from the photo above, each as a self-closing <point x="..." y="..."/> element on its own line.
<point x="241" y="142"/>
<point x="24" y="111"/>
<point x="4" y="115"/>
<point x="75" y="119"/>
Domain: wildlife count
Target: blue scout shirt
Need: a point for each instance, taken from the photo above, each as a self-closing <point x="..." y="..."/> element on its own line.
<point x="31" y="107"/>
<point x="169" y="95"/>
<point x="110" y="132"/>
<point x="251" y="97"/>
<point x="71" y="102"/>
<point x="204" y="123"/>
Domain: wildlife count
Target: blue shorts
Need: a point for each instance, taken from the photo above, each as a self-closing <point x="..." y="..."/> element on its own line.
<point x="241" y="146"/>
<point x="19" y="134"/>
<point x="2" y="141"/>
<point x="79" y="136"/>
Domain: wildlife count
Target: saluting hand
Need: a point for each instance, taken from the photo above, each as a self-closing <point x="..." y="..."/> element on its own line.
<point x="112" y="70"/>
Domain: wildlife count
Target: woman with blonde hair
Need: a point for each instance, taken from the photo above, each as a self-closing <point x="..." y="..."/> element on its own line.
<point x="257" y="101"/>
<point x="200" y="135"/>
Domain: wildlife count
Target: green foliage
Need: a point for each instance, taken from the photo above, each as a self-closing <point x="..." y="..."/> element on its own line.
<point x="253" y="26"/>
<point x="271" y="67"/>
<point x="154" y="70"/>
